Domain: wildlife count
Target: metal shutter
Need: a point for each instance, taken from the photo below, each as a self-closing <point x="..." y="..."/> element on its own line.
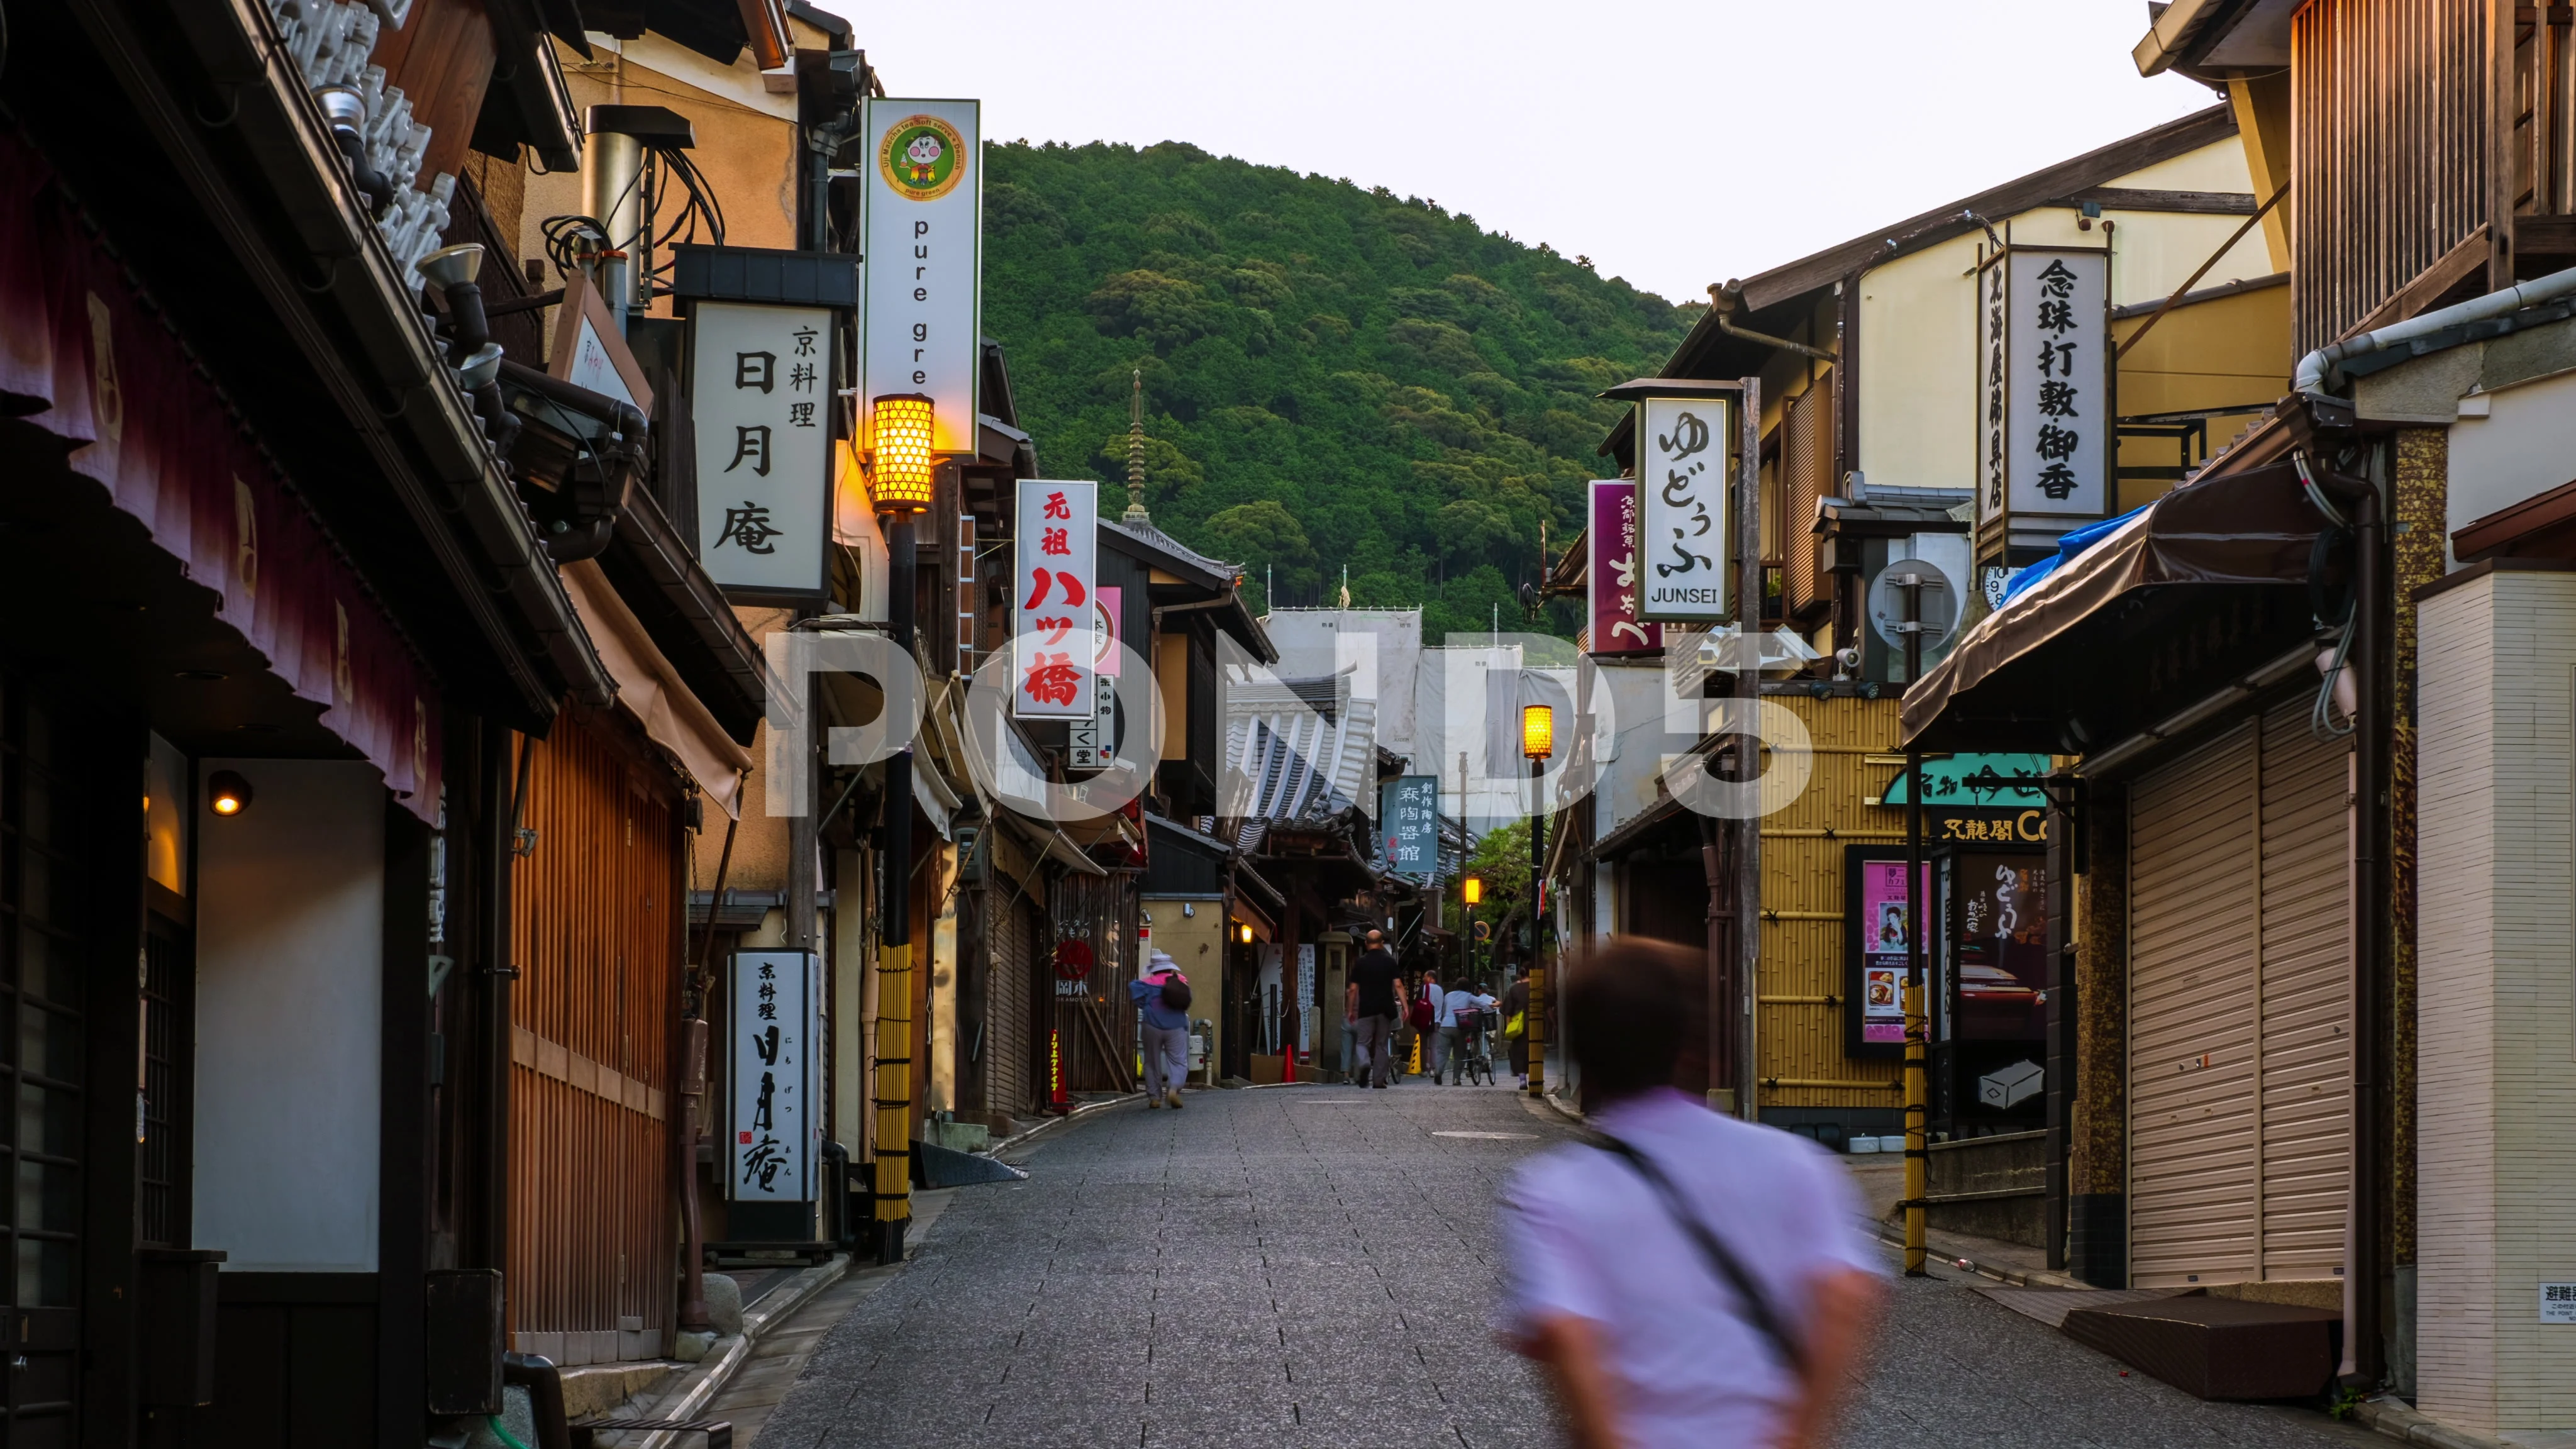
<point x="1006" y="1007"/>
<point x="2193" y="1130"/>
<point x="1806" y="475"/>
<point x="2306" y="1027"/>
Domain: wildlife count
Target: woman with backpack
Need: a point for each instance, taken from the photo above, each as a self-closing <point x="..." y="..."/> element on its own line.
<point x="1163" y="994"/>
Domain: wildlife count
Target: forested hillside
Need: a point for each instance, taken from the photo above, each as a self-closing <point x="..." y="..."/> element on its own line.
<point x="1333" y="377"/>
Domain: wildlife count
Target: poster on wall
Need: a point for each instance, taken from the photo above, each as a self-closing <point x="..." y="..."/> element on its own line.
<point x="2002" y="948"/>
<point x="772" y="1030"/>
<point x="1879" y="933"/>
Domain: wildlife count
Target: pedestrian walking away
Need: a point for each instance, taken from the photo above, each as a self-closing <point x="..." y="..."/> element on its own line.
<point x="1453" y="1004"/>
<point x="1425" y="1017"/>
<point x="1686" y="1279"/>
<point x="1163" y="994"/>
<point x="1375" y="983"/>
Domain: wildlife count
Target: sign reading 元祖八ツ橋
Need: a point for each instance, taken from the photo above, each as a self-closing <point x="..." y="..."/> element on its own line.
<point x="924" y="183"/>
<point x="2043" y="398"/>
<point x="1611" y="572"/>
<point x="1409" y="821"/>
<point x="1056" y="556"/>
<point x="771" y="1035"/>
<point x="761" y="389"/>
<point x="1683" y="444"/>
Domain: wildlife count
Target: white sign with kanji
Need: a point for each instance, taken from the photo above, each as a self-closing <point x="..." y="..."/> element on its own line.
<point x="772" y="1036"/>
<point x="760" y="397"/>
<point x="2043" y="350"/>
<point x="1056" y="564"/>
<point x="1683" y="444"/>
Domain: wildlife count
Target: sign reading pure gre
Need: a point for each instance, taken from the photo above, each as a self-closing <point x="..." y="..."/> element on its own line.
<point x="761" y="388"/>
<point x="1055" y="566"/>
<point x="773" y="1033"/>
<point x="1682" y="450"/>
<point x="2044" y="355"/>
<point x="924" y="188"/>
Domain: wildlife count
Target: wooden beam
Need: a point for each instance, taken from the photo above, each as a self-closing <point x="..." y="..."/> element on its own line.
<point x="2504" y="105"/>
<point x="2430" y="285"/>
<point x="2139" y="198"/>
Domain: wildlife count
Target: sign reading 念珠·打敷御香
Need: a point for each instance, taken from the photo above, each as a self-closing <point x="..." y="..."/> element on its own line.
<point x="1683" y="447"/>
<point x="923" y="179"/>
<point x="2044" y="406"/>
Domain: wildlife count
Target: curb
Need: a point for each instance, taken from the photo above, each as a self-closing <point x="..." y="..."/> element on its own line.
<point x="708" y="1378"/>
<point x="2391" y="1417"/>
<point x="1085" y="1110"/>
<point x="2009" y="1277"/>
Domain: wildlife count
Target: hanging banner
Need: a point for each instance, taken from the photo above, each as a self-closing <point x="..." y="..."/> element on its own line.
<point x="1056" y="561"/>
<point x="772" y="1029"/>
<point x="2044" y="398"/>
<point x="923" y="179"/>
<point x="761" y="386"/>
<point x="1092" y="744"/>
<point x="1409" y="823"/>
<point x="1612" y="572"/>
<point x="1682" y="448"/>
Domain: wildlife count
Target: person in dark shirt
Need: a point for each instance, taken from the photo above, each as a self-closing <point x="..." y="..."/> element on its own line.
<point x="1374" y="1004"/>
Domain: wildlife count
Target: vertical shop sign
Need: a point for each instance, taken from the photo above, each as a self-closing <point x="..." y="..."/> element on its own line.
<point x="1612" y="572"/>
<point x="1409" y="820"/>
<point x="1683" y="444"/>
<point x="772" y="1030"/>
<point x="1056" y="554"/>
<point x="924" y="184"/>
<point x="2043" y="397"/>
<point x="1092" y="744"/>
<point x="761" y="388"/>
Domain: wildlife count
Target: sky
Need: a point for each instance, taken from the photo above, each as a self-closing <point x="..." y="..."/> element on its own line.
<point x="1676" y="144"/>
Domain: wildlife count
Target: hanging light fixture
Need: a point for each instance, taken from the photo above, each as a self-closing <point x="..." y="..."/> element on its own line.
<point x="1538" y="732"/>
<point x="227" y="793"/>
<point x="905" y="464"/>
<point x="1244" y="933"/>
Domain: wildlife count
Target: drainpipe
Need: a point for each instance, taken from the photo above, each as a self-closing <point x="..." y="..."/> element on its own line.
<point x="2316" y="370"/>
<point x="2363" y="1365"/>
<point x="1725" y="301"/>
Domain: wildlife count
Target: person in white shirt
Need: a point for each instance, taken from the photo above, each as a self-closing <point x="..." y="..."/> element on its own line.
<point x="1459" y="1000"/>
<point x="1686" y="1279"/>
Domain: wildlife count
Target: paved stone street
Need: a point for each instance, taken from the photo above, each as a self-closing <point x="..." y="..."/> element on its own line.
<point x="1313" y="1266"/>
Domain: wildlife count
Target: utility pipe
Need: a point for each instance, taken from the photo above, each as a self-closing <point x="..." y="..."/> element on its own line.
<point x="2363" y="1364"/>
<point x="2317" y="367"/>
<point x="1723" y="300"/>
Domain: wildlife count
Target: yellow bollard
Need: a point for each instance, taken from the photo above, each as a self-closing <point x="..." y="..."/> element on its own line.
<point x="1415" y="1067"/>
<point x="1914" y="1153"/>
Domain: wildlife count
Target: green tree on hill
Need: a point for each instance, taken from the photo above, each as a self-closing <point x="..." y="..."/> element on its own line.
<point x="1336" y="378"/>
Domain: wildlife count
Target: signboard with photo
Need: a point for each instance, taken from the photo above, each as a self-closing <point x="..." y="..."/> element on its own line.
<point x="1879" y="928"/>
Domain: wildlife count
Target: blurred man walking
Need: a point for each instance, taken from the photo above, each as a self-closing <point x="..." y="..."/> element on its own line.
<point x="1375" y="979"/>
<point x="1685" y="1278"/>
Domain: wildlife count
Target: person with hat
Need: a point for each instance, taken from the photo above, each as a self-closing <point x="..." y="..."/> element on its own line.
<point x="1163" y="994"/>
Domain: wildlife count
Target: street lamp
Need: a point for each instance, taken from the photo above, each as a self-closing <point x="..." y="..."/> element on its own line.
<point x="1243" y="933"/>
<point x="904" y="469"/>
<point x="1538" y="741"/>
<point x="1473" y="888"/>
<point x="1471" y="894"/>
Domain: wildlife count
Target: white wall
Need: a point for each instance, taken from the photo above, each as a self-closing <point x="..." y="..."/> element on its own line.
<point x="2524" y="445"/>
<point x="2495" y="1197"/>
<point x="290" y="976"/>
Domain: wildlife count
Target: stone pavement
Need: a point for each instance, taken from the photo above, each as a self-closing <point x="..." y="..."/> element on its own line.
<point x="1313" y="1266"/>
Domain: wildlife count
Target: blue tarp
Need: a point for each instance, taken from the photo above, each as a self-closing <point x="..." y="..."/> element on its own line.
<point x="2068" y="546"/>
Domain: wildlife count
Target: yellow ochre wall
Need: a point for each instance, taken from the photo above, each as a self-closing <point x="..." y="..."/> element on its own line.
<point x="1802" y="905"/>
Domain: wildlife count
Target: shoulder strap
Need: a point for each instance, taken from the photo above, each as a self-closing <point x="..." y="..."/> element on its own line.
<point x="1722" y="1262"/>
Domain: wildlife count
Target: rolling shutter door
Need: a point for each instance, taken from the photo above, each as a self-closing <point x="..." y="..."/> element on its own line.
<point x="1006" y="1007"/>
<point x="2193" y="1129"/>
<point x="2307" y="999"/>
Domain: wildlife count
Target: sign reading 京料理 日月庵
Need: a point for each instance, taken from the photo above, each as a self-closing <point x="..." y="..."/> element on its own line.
<point x="1409" y="822"/>
<point x="1612" y="572"/>
<point x="761" y="389"/>
<point x="2043" y="398"/>
<point x="923" y="179"/>
<point x="1683" y="444"/>
<point x="771" y="1037"/>
<point x="1056" y="556"/>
